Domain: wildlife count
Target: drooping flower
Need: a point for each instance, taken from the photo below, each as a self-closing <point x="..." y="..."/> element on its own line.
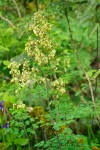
<point x="1" y="105"/>
<point x="5" y="125"/>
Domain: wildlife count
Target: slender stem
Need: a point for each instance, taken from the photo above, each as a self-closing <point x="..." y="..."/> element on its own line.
<point x="36" y="138"/>
<point x="36" y="4"/>
<point x="52" y="120"/>
<point x="97" y="50"/>
<point x="85" y="73"/>
<point x="26" y="133"/>
<point x="8" y="21"/>
<point x="44" y="133"/>
<point x="17" y="8"/>
<point x="78" y="60"/>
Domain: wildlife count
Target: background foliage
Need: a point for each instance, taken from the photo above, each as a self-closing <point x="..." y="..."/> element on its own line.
<point x="49" y="74"/>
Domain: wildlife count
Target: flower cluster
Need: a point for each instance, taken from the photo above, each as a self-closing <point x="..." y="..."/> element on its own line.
<point x="19" y="105"/>
<point x="18" y="75"/>
<point x="43" y="56"/>
<point x="42" y="48"/>
<point x="15" y="72"/>
<point x="40" y="26"/>
<point x="59" y="85"/>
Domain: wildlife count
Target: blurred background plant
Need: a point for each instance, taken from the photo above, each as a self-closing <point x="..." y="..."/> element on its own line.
<point x="45" y="91"/>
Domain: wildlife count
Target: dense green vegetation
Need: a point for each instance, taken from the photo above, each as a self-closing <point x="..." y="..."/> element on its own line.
<point x="49" y="75"/>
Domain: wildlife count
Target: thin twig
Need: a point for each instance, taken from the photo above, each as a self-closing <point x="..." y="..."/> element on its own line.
<point x="97" y="50"/>
<point x="8" y="21"/>
<point x="78" y="60"/>
<point x="85" y="73"/>
<point x="25" y="132"/>
<point x="36" y="138"/>
<point x="17" y="8"/>
<point x="36" y="4"/>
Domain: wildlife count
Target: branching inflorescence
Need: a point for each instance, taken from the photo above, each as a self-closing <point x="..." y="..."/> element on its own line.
<point x="43" y="63"/>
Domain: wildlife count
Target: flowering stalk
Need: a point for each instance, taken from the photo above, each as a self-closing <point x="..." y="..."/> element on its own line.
<point x="47" y="65"/>
<point x="43" y="57"/>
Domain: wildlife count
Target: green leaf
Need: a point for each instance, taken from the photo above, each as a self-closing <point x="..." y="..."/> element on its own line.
<point x="6" y="63"/>
<point x="39" y="144"/>
<point x="91" y="72"/>
<point x="96" y="74"/>
<point x="3" y="48"/>
<point x="21" y="141"/>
